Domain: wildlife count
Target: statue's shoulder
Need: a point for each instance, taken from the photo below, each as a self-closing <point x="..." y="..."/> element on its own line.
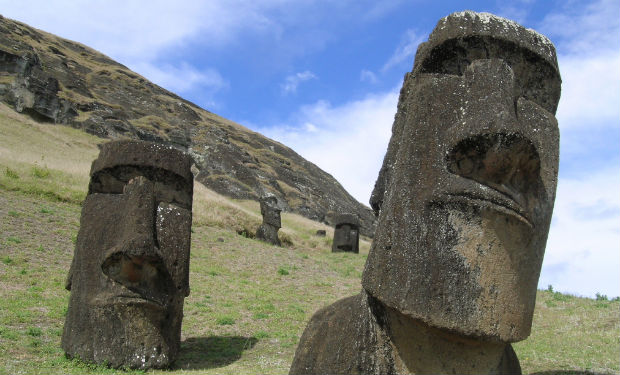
<point x="342" y="338"/>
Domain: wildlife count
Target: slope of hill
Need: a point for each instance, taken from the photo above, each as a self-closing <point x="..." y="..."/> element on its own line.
<point x="249" y="301"/>
<point x="60" y="81"/>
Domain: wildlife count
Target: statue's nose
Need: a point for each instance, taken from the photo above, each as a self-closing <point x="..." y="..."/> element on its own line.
<point x="140" y="215"/>
<point x="135" y="262"/>
<point x="508" y="163"/>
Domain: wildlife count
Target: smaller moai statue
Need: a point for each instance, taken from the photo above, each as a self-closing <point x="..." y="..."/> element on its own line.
<point x="130" y="270"/>
<point x="346" y="234"/>
<point x="268" y="230"/>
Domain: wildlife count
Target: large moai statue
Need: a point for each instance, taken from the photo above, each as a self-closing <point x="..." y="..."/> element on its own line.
<point x="346" y="234"/>
<point x="268" y="230"/>
<point x="130" y="270"/>
<point x="464" y="200"/>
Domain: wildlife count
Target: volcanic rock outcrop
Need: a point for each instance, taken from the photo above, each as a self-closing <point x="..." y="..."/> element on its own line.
<point x="464" y="200"/>
<point x="130" y="270"/>
<point x="60" y="81"/>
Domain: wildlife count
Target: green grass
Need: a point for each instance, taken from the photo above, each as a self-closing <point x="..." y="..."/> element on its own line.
<point x="249" y="301"/>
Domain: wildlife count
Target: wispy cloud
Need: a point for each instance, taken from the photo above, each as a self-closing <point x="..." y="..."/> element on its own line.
<point x="405" y="52"/>
<point x="582" y="251"/>
<point x="590" y="90"/>
<point x="581" y="28"/>
<point x="291" y="82"/>
<point x="589" y="57"/>
<point x="185" y="79"/>
<point x="348" y="141"/>
<point x="368" y="76"/>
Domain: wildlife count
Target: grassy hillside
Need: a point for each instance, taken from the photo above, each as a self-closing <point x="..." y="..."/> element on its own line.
<point x="249" y="301"/>
<point x="61" y="81"/>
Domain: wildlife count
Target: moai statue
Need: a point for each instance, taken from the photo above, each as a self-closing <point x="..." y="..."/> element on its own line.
<point x="464" y="198"/>
<point x="268" y="230"/>
<point x="130" y="269"/>
<point x="346" y="234"/>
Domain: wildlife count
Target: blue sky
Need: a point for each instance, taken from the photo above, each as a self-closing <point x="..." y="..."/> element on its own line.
<point x="323" y="78"/>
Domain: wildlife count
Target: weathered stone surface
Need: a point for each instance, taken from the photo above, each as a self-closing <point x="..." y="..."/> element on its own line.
<point x="75" y="85"/>
<point x="33" y="91"/>
<point x="473" y="179"/>
<point x="130" y="271"/>
<point x="464" y="199"/>
<point x="346" y="234"/>
<point x="462" y="38"/>
<point x="268" y="230"/>
<point x="359" y="335"/>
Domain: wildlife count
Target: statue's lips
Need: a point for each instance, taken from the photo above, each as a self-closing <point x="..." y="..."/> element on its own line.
<point x="126" y="298"/>
<point x="494" y="200"/>
<point x="136" y="300"/>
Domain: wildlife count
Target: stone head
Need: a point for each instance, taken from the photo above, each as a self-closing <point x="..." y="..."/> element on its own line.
<point x="130" y="271"/>
<point x="471" y="180"/>
<point x="270" y="210"/>
<point x="346" y="233"/>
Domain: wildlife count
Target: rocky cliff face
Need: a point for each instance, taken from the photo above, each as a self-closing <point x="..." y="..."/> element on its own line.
<point x="60" y="81"/>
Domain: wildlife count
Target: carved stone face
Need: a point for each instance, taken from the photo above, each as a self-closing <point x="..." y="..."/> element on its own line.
<point x="346" y="234"/>
<point x="464" y="222"/>
<point x="270" y="211"/>
<point x="130" y="271"/>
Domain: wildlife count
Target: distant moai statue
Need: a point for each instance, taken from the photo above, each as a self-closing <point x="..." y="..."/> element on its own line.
<point x="464" y="202"/>
<point x="268" y="230"/>
<point x="130" y="269"/>
<point x="346" y="234"/>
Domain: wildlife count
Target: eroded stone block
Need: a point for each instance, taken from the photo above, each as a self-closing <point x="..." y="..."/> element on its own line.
<point x="268" y="230"/>
<point x="346" y="234"/>
<point x="130" y="270"/>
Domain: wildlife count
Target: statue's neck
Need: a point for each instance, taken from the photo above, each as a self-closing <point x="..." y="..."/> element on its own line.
<point x="422" y="349"/>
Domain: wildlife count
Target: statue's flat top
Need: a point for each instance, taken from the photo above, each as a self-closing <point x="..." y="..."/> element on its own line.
<point x="469" y="23"/>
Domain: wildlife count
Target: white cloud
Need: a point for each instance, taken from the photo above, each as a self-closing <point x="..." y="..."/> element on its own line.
<point x="182" y="78"/>
<point x="348" y="141"/>
<point x="291" y="82"/>
<point x="590" y="90"/>
<point x="124" y="30"/>
<point x="582" y="251"/>
<point x="310" y="127"/>
<point x="589" y="60"/>
<point x="582" y="28"/>
<point x="368" y="76"/>
<point x="405" y="51"/>
<point x="582" y="254"/>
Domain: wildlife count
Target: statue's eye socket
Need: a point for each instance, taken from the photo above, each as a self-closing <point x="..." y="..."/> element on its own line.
<point x="505" y="162"/>
<point x="167" y="186"/>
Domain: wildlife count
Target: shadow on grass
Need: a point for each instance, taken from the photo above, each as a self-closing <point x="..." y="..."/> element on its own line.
<point x="566" y="372"/>
<point x="201" y="353"/>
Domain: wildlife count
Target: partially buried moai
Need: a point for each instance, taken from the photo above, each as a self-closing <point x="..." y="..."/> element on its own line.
<point x="130" y="270"/>
<point x="268" y="230"/>
<point x="346" y="234"/>
<point x="464" y="198"/>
